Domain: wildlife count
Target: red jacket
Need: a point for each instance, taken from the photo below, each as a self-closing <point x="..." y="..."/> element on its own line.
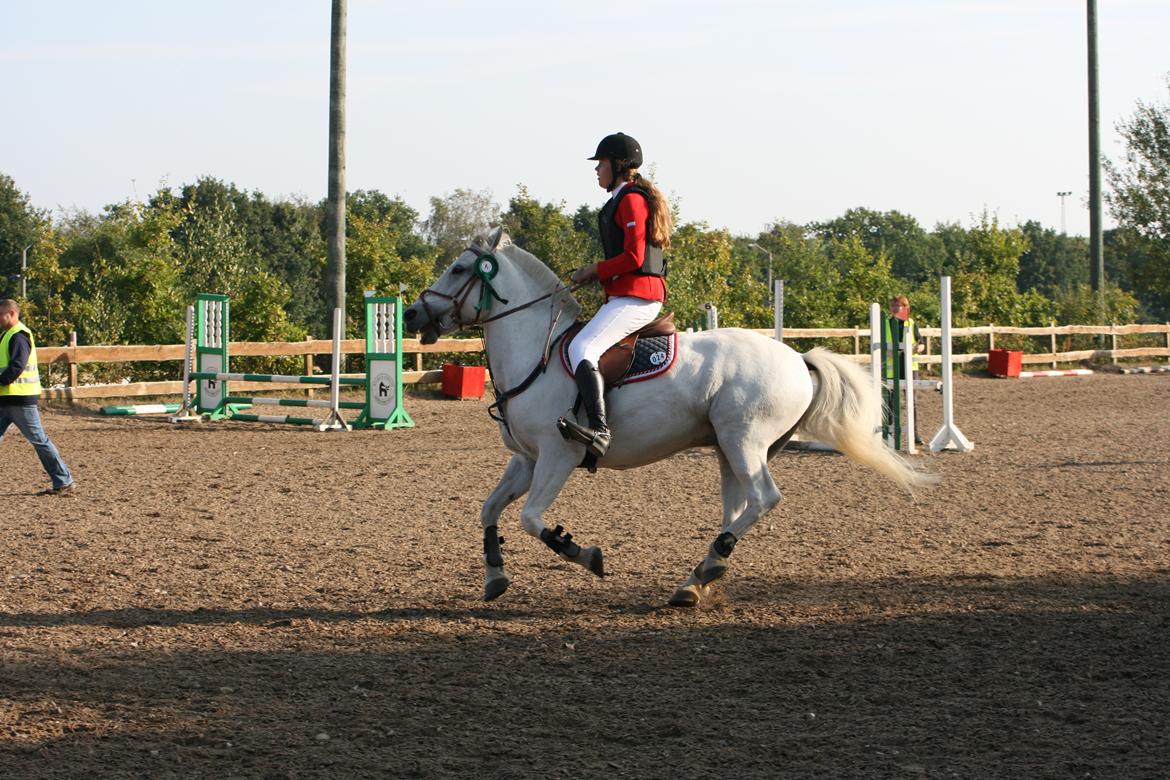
<point x="615" y="272"/>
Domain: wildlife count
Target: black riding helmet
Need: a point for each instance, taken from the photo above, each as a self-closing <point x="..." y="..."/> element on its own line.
<point x="622" y="150"/>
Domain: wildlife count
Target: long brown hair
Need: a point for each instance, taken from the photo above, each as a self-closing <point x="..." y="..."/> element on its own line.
<point x="660" y="225"/>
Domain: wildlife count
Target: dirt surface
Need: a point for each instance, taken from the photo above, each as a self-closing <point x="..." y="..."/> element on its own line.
<point x="235" y="600"/>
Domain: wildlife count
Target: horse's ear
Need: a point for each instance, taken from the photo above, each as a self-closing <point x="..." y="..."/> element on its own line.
<point x="495" y="236"/>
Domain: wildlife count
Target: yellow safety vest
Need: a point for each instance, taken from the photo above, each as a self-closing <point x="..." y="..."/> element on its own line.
<point x="29" y="382"/>
<point x="888" y="338"/>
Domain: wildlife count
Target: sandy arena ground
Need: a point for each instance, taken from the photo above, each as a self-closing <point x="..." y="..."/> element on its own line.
<point x="236" y="600"/>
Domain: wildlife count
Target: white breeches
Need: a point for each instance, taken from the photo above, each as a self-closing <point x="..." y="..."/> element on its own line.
<point x="618" y="318"/>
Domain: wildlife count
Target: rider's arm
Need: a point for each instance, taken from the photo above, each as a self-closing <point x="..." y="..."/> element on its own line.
<point x="632" y="215"/>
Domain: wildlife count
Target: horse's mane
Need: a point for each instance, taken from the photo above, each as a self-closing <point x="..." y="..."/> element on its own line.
<point x="530" y="265"/>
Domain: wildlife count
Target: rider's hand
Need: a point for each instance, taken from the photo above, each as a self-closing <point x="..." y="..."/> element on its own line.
<point x="585" y="274"/>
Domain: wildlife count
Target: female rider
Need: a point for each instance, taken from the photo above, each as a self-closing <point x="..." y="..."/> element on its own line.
<point x="635" y="227"/>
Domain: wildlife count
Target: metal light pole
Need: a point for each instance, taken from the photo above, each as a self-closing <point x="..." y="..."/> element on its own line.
<point x="24" y="272"/>
<point x="335" y="201"/>
<point x="1096" y="254"/>
<point x="1062" y="196"/>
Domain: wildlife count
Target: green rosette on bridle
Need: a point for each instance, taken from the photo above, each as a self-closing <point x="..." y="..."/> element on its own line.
<point x="486" y="268"/>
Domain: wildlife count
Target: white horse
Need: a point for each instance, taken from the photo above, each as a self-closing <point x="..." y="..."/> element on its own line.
<point x="737" y="391"/>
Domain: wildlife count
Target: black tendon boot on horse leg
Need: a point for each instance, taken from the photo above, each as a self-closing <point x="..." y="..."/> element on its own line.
<point x="592" y="389"/>
<point x="563" y="545"/>
<point x="709" y="569"/>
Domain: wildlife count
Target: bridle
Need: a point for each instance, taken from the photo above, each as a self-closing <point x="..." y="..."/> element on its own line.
<point x="484" y="269"/>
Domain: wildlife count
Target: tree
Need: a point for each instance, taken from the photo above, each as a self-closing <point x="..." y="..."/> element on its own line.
<point x="382" y="250"/>
<point x="862" y="278"/>
<point x="915" y="255"/>
<point x="809" y="277"/>
<point x="128" y="279"/>
<point x="455" y="218"/>
<point x="19" y="226"/>
<point x="700" y="269"/>
<point x="984" y="262"/>
<point x="1053" y="261"/>
<point x="1140" y="202"/>
<point x="547" y="232"/>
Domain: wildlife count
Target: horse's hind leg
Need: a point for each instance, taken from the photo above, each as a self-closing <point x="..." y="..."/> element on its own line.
<point x="514" y="482"/>
<point x="552" y="471"/>
<point x="752" y="495"/>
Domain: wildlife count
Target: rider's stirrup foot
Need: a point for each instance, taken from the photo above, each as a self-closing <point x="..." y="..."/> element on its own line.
<point x="596" y="442"/>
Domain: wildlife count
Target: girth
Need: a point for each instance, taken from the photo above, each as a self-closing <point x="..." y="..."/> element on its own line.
<point x="616" y="361"/>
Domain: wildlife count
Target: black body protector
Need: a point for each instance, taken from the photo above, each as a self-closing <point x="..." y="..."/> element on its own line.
<point x="613" y="236"/>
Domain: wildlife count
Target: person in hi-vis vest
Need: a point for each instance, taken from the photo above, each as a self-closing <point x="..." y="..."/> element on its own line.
<point x="894" y="332"/>
<point x="20" y="390"/>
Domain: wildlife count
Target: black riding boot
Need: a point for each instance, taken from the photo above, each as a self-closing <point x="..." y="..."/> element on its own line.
<point x="592" y="389"/>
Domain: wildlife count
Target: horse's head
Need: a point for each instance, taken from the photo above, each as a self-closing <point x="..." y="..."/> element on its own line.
<point x="464" y="293"/>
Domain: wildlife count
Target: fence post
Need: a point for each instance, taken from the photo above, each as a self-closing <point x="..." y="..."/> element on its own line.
<point x="309" y="393"/>
<point x="1054" y="344"/>
<point x="990" y="336"/>
<point x="72" y="380"/>
<point x="1113" y="342"/>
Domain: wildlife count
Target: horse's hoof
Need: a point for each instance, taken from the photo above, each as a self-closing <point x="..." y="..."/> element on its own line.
<point x="686" y="597"/>
<point x="594" y="561"/>
<point x="495" y="587"/>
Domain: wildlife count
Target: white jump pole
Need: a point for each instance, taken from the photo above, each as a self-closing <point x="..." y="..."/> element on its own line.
<point x="334" y="421"/>
<point x="875" y="350"/>
<point x="778" y="309"/>
<point x="908" y="372"/>
<point x="184" y="414"/>
<point x="948" y="436"/>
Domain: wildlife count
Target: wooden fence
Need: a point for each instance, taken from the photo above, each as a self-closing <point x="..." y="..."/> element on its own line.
<point x="72" y="356"/>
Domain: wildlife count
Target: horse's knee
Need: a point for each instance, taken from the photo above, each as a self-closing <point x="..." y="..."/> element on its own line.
<point x="532" y="524"/>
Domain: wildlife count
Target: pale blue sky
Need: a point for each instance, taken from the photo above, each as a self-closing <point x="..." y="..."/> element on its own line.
<point x="749" y="112"/>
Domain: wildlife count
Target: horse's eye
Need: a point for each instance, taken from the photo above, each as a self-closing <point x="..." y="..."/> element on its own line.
<point x="457" y="269"/>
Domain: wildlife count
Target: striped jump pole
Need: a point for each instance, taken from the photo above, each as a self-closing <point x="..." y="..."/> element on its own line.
<point x="1067" y="372"/>
<point x="122" y="411"/>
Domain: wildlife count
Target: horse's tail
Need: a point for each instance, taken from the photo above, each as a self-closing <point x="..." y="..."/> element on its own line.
<point x="846" y="413"/>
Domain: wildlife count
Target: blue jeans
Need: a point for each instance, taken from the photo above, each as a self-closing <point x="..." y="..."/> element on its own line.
<point x="27" y="419"/>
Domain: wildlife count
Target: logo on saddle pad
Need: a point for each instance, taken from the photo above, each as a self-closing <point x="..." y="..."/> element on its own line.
<point x="653" y="356"/>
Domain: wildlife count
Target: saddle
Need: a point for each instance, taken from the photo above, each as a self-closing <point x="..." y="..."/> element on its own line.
<point x="617" y="363"/>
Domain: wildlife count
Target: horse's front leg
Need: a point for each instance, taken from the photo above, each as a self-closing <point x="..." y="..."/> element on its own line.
<point x="553" y="467"/>
<point x="514" y="482"/>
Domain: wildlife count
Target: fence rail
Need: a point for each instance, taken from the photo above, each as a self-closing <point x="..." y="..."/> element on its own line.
<point x="72" y="356"/>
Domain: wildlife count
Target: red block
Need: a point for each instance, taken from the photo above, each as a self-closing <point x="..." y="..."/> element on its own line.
<point x="464" y="381"/>
<point x="1004" y="362"/>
